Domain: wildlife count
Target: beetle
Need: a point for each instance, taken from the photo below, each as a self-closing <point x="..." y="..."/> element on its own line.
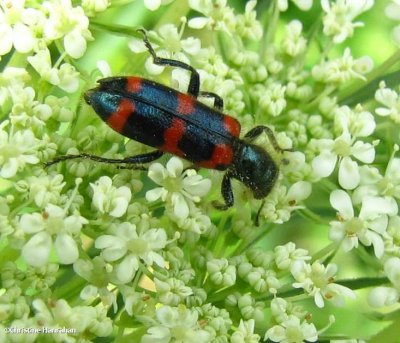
<point x="177" y="123"/>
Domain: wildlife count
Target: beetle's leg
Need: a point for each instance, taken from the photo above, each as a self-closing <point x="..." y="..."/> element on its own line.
<point x="218" y="102"/>
<point x="257" y="220"/>
<point x="194" y="84"/>
<point x="227" y="194"/>
<point x="258" y="130"/>
<point x="137" y="159"/>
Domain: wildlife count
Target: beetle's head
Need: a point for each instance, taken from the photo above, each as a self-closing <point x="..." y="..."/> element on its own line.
<point x="256" y="169"/>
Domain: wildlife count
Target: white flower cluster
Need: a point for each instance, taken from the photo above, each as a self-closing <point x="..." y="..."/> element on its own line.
<point x="146" y="252"/>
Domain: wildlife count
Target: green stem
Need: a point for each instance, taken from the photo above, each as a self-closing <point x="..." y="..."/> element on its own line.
<point x="245" y="245"/>
<point x="307" y="213"/>
<point x="272" y="25"/>
<point x="310" y="106"/>
<point x="363" y="282"/>
<point x="328" y="250"/>
<point x="173" y="14"/>
<point x="116" y="28"/>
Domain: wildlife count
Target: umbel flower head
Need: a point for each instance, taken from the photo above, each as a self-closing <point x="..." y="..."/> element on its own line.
<point x="95" y="248"/>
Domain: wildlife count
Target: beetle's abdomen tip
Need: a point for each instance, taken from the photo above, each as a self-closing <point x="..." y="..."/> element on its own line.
<point x="88" y="96"/>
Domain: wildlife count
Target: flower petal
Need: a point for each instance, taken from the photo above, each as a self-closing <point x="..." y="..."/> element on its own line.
<point x="324" y="164"/>
<point x="66" y="248"/>
<point x="75" y="44"/>
<point x="299" y="191"/>
<point x="31" y="223"/>
<point x="349" y="176"/>
<point x="157" y="173"/>
<point x="156" y="193"/>
<point x="174" y="167"/>
<point x="341" y="202"/>
<point x="181" y="208"/>
<point x="36" y="251"/>
<point x="23" y="38"/>
<point x="364" y="152"/>
<point x="125" y="271"/>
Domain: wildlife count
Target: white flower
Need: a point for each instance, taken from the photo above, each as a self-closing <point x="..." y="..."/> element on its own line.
<point x="286" y="255"/>
<point x="318" y="281"/>
<point x="92" y="7"/>
<point x="338" y="20"/>
<point x="273" y="100"/>
<point x="44" y="189"/>
<point x="291" y="330"/>
<point x="129" y="247"/>
<point x="392" y="271"/>
<point x="343" y="69"/>
<point x="109" y="199"/>
<point x="104" y="68"/>
<point x="66" y="77"/>
<point x="386" y="296"/>
<point x="172" y="291"/>
<point x="41" y="62"/>
<point x="368" y="227"/>
<point x="16" y="150"/>
<point x="53" y="223"/>
<point x="26" y="111"/>
<point x="69" y="78"/>
<point x="217" y="15"/>
<point x="176" y="324"/>
<point x="98" y="273"/>
<point x="282" y="309"/>
<point x="247" y="24"/>
<point x="58" y="107"/>
<point x="248" y="307"/>
<point x="17" y="27"/>
<point x="342" y="148"/>
<point x="196" y="221"/>
<point x="153" y="5"/>
<point x="69" y="23"/>
<point x="391" y="101"/>
<point x="383" y="296"/>
<point x="358" y="122"/>
<point x="59" y="313"/>
<point x="294" y="43"/>
<point x="174" y="47"/>
<point x="281" y="202"/>
<point x="245" y="332"/>
<point x="179" y="187"/>
<point x="221" y="273"/>
<point x="304" y="5"/>
<point x="392" y="11"/>
<point x="374" y="183"/>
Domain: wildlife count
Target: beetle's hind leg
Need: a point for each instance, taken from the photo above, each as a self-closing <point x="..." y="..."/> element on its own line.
<point x="194" y="83"/>
<point x="137" y="159"/>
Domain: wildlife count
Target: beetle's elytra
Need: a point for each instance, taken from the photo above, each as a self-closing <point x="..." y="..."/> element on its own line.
<point x="177" y="123"/>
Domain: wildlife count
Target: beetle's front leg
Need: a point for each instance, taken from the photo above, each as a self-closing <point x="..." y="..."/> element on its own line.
<point x="258" y="130"/>
<point x="227" y="194"/>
